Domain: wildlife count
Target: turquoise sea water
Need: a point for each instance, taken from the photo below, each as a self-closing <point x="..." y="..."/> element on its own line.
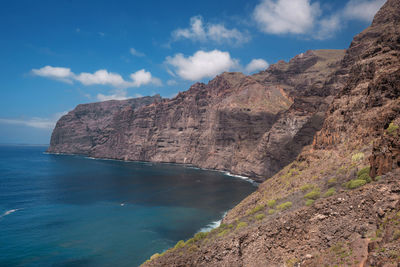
<point x="58" y="210"/>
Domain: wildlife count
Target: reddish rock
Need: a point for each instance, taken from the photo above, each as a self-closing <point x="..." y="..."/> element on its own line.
<point x="234" y="123"/>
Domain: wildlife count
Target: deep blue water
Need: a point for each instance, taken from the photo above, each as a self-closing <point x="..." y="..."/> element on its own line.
<point x="58" y="210"/>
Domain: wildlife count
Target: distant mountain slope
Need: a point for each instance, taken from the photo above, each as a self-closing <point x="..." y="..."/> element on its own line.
<point x="338" y="202"/>
<point x="221" y="125"/>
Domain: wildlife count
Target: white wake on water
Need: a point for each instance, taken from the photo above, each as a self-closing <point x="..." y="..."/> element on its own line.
<point x="8" y="212"/>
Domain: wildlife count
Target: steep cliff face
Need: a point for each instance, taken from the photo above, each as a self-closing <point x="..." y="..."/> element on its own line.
<point x="227" y="124"/>
<point x="81" y="129"/>
<point x="329" y="206"/>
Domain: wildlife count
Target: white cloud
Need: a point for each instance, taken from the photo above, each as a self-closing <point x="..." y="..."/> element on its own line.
<point x="136" y="53"/>
<point x="286" y="16"/>
<point x="172" y="82"/>
<point x="256" y="64"/>
<point x="210" y="32"/>
<point x="100" y="77"/>
<point x="117" y="95"/>
<point x="58" y="73"/>
<point x="301" y="17"/>
<point x="35" y="122"/>
<point x="328" y="27"/>
<point x="143" y="77"/>
<point x="363" y="10"/>
<point x="202" y="64"/>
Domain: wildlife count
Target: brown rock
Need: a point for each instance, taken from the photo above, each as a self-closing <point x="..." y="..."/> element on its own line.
<point x="248" y="125"/>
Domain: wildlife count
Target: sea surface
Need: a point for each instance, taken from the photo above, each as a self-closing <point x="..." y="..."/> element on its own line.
<point x="59" y="210"/>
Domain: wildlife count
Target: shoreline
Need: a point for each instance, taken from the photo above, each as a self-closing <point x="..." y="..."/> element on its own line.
<point x="190" y="166"/>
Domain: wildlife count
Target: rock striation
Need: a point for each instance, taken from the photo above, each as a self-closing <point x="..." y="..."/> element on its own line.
<point x="235" y="123"/>
<point x="82" y="128"/>
<point x="338" y="202"/>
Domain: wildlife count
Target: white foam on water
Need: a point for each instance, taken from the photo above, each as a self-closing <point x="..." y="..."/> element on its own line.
<point x="241" y="177"/>
<point x="8" y="212"/>
<point x="212" y="225"/>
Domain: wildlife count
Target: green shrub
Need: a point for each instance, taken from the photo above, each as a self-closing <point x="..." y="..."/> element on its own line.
<point x="259" y="216"/>
<point x="332" y="181"/>
<point x="365" y="177"/>
<point x="307" y="187"/>
<point x="240" y="225"/>
<point x="392" y="129"/>
<point x="200" y="236"/>
<point x="330" y="192"/>
<point x="284" y="206"/>
<point x="256" y="209"/>
<point x="364" y="170"/>
<point x="155" y="256"/>
<point x="271" y="211"/>
<point x="271" y="203"/>
<point x="313" y="194"/>
<point x="180" y="244"/>
<point x="189" y="241"/>
<point x="224" y="232"/>
<point x="309" y="202"/>
<point x="357" y="157"/>
<point x="352" y="184"/>
<point x="223" y="226"/>
<point x="377" y="178"/>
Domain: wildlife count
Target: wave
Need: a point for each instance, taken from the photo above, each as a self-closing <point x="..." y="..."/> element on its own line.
<point x="241" y="177"/>
<point x="8" y="212"/>
<point x="212" y="225"/>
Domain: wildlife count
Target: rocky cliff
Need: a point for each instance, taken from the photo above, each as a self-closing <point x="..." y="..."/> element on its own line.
<point x="235" y="123"/>
<point x="82" y="128"/>
<point x="338" y="202"/>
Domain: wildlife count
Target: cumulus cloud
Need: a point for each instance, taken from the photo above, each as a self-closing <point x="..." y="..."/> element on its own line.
<point x="362" y="9"/>
<point x="256" y="65"/>
<point x="35" y="122"/>
<point x="302" y="17"/>
<point x="120" y="94"/>
<point x="100" y="77"/>
<point x="136" y="53"/>
<point x="57" y="73"/>
<point x="143" y="77"/>
<point x="198" y="31"/>
<point x="286" y="16"/>
<point x="202" y="64"/>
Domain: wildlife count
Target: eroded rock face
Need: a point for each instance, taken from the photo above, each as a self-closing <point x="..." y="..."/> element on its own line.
<point x="369" y="100"/>
<point x="280" y="224"/>
<point x="82" y="128"/>
<point x="235" y="123"/>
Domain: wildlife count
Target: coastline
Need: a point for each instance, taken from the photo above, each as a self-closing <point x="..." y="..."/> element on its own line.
<point x="208" y="227"/>
<point x="226" y="173"/>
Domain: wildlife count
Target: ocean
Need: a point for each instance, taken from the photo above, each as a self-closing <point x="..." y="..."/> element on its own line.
<point x="62" y="210"/>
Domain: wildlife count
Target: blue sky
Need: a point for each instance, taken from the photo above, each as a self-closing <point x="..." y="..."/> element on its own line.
<point x="57" y="54"/>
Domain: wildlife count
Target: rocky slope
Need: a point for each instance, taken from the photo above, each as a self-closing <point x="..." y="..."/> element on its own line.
<point x="235" y="123"/>
<point x="338" y="202"/>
